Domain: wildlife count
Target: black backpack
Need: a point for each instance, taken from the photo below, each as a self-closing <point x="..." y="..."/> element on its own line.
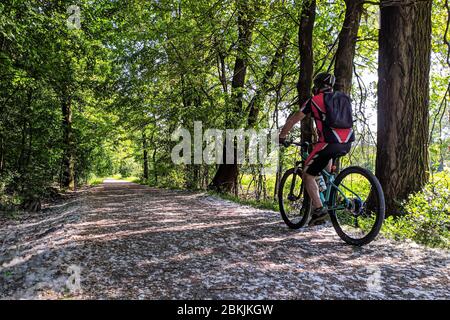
<point x="339" y="110"/>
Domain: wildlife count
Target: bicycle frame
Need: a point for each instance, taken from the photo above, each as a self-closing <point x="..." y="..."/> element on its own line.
<point x="340" y="199"/>
<point x="330" y="178"/>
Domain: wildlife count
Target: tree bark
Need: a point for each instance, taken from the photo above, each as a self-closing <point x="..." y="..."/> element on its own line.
<point x="255" y="104"/>
<point x="2" y="154"/>
<point x="280" y="162"/>
<point x="221" y="68"/>
<point x="68" y="169"/>
<point x="304" y="84"/>
<point x="225" y="179"/>
<point x="345" y="53"/>
<point x="145" y="154"/>
<point x="155" y="163"/>
<point x="343" y="67"/>
<point x="403" y="100"/>
<point x="245" y="32"/>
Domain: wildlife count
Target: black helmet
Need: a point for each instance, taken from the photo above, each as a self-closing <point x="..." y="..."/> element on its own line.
<point x="323" y="81"/>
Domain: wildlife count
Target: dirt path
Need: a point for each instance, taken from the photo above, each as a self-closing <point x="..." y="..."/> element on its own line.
<point x="123" y="240"/>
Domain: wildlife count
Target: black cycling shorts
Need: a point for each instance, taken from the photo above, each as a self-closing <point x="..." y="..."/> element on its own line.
<point x="321" y="155"/>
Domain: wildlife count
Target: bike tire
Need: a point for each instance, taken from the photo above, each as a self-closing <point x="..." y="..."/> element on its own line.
<point x="281" y="203"/>
<point x="380" y="212"/>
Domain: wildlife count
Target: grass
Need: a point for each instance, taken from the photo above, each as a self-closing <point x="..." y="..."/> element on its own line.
<point x="248" y="185"/>
<point x="131" y="179"/>
<point x="262" y="204"/>
<point x="427" y="221"/>
<point x="94" y="181"/>
<point x="10" y="206"/>
<point x="428" y="215"/>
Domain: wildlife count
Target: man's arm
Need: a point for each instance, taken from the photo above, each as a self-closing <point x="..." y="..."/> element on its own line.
<point x="290" y="122"/>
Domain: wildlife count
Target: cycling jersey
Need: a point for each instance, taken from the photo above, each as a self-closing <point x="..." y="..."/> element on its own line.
<point x="316" y="106"/>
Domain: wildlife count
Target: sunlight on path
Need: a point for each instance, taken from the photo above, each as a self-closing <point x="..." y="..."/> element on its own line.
<point x="129" y="241"/>
<point x="115" y="181"/>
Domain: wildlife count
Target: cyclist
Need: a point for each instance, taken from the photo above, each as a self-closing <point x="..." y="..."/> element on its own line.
<point x="331" y="142"/>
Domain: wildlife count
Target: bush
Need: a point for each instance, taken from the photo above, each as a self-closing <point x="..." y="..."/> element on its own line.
<point x="428" y="218"/>
<point x="128" y="167"/>
<point x="8" y="199"/>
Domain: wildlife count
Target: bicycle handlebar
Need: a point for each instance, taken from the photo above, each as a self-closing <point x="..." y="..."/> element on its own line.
<point x="300" y="144"/>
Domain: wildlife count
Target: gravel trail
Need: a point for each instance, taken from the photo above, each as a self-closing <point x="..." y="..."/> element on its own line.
<point x="121" y="240"/>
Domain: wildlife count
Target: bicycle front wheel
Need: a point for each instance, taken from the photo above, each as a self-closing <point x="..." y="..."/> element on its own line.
<point x="294" y="202"/>
<point x="357" y="206"/>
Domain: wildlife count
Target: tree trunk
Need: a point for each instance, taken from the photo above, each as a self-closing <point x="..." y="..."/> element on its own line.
<point x="343" y="67"/>
<point x="30" y="144"/>
<point x="25" y="133"/>
<point x="345" y="54"/>
<point x="403" y="99"/>
<point x="2" y="154"/>
<point x="225" y="179"/>
<point x="280" y="161"/>
<point x="68" y="168"/>
<point x="155" y="171"/>
<point x="145" y="154"/>
<point x="221" y="67"/>
<point x="304" y="84"/>
<point x="21" y="159"/>
<point x="255" y="103"/>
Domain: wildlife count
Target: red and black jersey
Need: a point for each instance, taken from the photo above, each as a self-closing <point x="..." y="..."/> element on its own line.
<point x="316" y="106"/>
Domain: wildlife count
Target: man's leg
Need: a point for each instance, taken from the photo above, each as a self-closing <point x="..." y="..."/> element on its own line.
<point x="318" y="160"/>
<point x="329" y="165"/>
<point x="313" y="189"/>
<point x="319" y="213"/>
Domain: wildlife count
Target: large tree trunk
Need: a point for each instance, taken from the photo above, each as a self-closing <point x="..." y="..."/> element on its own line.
<point x="304" y="84"/>
<point x="225" y="179"/>
<point x="343" y="67"/>
<point x="145" y="154"/>
<point x="345" y="53"/>
<point x="155" y="167"/>
<point x="68" y="168"/>
<point x="403" y="99"/>
<point x="2" y="154"/>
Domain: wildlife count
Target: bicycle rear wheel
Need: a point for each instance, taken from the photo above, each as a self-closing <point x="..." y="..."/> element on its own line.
<point x="294" y="202"/>
<point x="358" y="207"/>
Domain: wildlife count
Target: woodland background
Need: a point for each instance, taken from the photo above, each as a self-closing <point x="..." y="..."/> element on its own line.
<point x="81" y="104"/>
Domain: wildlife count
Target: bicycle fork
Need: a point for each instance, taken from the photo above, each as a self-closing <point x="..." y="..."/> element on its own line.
<point x="291" y="196"/>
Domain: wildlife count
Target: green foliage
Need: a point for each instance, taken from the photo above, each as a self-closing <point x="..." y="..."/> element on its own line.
<point x="8" y="199"/>
<point x="128" y="168"/>
<point x="138" y="70"/>
<point x="43" y="64"/>
<point x="94" y="181"/>
<point x="428" y="215"/>
<point x="260" y="204"/>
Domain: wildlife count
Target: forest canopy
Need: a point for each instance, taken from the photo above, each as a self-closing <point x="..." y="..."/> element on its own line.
<point x="96" y="88"/>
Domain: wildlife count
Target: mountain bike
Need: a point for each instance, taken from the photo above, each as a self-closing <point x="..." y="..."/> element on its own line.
<point x="354" y="199"/>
